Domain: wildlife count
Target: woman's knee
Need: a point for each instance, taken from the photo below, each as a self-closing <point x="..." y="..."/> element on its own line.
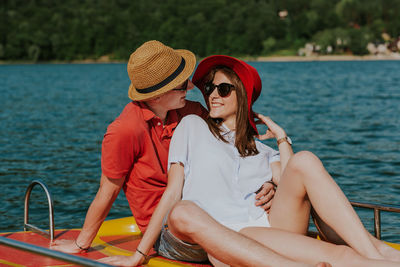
<point x="304" y="161"/>
<point x="181" y="216"/>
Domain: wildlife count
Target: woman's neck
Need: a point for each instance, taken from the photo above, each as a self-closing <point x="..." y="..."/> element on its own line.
<point x="231" y="124"/>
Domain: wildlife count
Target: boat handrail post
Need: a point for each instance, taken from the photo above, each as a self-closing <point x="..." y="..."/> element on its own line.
<point x="28" y="226"/>
<point x="377" y="223"/>
<point x="377" y="213"/>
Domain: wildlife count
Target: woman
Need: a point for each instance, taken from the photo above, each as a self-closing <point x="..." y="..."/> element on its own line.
<point x="218" y="166"/>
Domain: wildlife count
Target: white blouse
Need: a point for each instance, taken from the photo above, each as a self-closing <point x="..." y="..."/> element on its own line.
<point x="217" y="178"/>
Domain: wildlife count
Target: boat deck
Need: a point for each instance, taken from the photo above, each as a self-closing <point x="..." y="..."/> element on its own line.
<point x="115" y="237"/>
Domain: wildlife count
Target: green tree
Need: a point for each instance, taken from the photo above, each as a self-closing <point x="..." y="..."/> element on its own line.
<point x="74" y="29"/>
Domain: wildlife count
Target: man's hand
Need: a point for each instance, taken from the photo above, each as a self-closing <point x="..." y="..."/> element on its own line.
<point x="265" y="196"/>
<point x="66" y="246"/>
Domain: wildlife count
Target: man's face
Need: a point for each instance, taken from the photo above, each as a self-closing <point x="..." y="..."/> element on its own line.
<point x="175" y="99"/>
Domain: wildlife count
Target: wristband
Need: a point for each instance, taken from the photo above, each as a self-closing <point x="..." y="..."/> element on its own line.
<point x="271" y="182"/>
<point x="144" y="255"/>
<point x="284" y="139"/>
<point x="81" y="248"/>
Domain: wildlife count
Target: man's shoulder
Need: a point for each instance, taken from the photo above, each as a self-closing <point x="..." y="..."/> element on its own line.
<point x="130" y="120"/>
<point x="131" y="109"/>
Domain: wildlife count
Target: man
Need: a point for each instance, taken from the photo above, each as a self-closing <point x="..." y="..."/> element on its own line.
<point x="135" y="146"/>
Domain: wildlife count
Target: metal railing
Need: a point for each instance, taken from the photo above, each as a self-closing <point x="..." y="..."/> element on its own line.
<point x="27" y="226"/>
<point x="377" y="214"/>
<point x="50" y="253"/>
<point x="49" y="234"/>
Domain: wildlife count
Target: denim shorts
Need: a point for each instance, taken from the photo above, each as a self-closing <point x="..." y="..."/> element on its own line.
<point x="171" y="247"/>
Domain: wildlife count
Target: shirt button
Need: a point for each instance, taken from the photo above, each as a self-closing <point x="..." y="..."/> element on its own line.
<point x="159" y="123"/>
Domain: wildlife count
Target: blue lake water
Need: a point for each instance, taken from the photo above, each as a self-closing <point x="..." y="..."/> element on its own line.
<point x="53" y="118"/>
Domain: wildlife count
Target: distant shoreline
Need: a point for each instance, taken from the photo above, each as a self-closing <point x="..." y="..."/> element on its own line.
<point x="103" y="60"/>
<point x="327" y="58"/>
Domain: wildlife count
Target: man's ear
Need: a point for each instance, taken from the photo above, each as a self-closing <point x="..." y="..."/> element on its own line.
<point x="155" y="99"/>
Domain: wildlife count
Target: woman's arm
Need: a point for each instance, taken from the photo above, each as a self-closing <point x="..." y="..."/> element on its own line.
<point x="172" y="194"/>
<point x="276" y="172"/>
<point x="285" y="149"/>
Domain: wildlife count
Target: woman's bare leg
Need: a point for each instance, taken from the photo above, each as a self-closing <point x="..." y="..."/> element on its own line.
<point x="330" y="235"/>
<point x="309" y="250"/>
<point x="387" y="251"/>
<point x="190" y="223"/>
<point x="306" y="181"/>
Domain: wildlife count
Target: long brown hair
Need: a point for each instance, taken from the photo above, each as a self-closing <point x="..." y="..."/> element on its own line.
<point x="244" y="140"/>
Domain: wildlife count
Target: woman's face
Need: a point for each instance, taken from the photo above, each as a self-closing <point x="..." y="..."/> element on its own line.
<point x="223" y="107"/>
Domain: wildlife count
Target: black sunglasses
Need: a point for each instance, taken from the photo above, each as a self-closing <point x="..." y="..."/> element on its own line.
<point x="184" y="86"/>
<point x="224" y="89"/>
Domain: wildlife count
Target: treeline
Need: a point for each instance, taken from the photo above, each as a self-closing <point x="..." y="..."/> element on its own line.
<point x="42" y="30"/>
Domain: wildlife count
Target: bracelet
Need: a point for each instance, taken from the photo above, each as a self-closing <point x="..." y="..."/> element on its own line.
<point x="81" y="248"/>
<point x="144" y="255"/>
<point x="271" y="182"/>
<point x="284" y="139"/>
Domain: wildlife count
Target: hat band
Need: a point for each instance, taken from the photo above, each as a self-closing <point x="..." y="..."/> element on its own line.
<point x="165" y="81"/>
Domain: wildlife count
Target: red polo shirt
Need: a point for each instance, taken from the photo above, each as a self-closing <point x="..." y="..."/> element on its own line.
<point x="135" y="147"/>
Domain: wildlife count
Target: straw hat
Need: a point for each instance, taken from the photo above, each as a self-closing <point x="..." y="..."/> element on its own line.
<point x="155" y="68"/>
<point x="247" y="74"/>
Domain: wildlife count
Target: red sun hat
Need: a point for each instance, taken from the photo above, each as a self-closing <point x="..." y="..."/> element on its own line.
<point x="247" y="74"/>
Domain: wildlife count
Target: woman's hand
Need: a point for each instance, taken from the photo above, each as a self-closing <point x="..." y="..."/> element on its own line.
<point x="65" y="245"/>
<point x="134" y="260"/>
<point x="273" y="131"/>
<point x="265" y="196"/>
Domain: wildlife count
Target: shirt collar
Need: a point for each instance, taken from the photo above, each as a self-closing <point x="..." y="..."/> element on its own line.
<point x="172" y="118"/>
<point x="172" y="115"/>
<point x="147" y="113"/>
<point x="227" y="133"/>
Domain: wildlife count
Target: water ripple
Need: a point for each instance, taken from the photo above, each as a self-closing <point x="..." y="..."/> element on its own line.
<point x="53" y="118"/>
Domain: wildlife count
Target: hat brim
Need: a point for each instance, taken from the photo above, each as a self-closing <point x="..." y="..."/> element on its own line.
<point x="247" y="74"/>
<point x="190" y="63"/>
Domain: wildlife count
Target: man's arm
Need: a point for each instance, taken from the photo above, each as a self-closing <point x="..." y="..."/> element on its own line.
<point x="172" y="194"/>
<point x="97" y="212"/>
<point x="265" y="195"/>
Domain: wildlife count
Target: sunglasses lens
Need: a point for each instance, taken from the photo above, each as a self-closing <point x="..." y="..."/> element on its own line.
<point x="208" y="88"/>
<point x="224" y="89"/>
<point x="183" y="87"/>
